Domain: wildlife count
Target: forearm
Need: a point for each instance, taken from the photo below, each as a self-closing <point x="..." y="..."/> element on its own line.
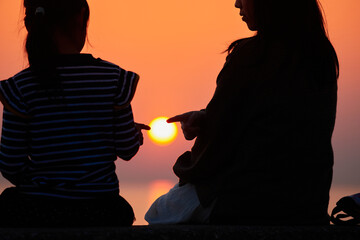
<point x="127" y="140"/>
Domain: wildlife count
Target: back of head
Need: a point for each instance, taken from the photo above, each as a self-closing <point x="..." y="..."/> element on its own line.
<point x="42" y="19"/>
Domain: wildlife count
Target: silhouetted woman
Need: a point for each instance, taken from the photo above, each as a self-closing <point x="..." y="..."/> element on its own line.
<point x="66" y="120"/>
<point x="263" y="152"/>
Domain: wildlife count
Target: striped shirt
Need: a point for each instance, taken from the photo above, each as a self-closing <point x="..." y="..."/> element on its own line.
<point x="66" y="148"/>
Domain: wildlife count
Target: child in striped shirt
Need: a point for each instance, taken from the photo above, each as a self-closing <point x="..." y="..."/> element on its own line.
<point x="66" y="119"/>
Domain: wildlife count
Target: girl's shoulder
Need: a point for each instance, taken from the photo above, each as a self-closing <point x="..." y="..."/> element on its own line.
<point x="127" y="84"/>
<point x="105" y="63"/>
<point x="122" y="71"/>
<point x="245" y="51"/>
<point x="241" y="43"/>
<point x="23" y="74"/>
<point x="14" y="83"/>
<point x="10" y="92"/>
<point x="246" y="42"/>
<point x="20" y="78"/>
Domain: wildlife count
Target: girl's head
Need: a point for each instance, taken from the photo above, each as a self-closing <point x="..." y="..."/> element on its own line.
<point x="247" y="11"/>
<point x="298" y="22"/>
<point x="53" y="25"/>
<point x="282" y="17"/>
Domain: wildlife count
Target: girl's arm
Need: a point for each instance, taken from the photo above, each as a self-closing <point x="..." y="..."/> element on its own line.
<point x="14" y="147"/>
<point x="127" y="136"/>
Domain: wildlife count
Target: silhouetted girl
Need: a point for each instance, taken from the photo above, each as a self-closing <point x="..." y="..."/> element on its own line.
<point x="263" y="151"/>
<point x="66" y="120"/>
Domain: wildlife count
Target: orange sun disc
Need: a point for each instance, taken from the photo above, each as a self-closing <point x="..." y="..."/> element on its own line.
<point x="161" y="132"/>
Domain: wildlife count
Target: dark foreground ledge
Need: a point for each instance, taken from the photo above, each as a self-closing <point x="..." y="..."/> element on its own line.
<point x="185" y="232"/>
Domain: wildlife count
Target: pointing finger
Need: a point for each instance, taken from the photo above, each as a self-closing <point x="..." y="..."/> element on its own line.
<point x="177" y="118"/>
<point x="142" y="126"/>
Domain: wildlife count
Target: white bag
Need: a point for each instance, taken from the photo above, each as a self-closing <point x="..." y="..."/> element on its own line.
<point x="179" y="205"/>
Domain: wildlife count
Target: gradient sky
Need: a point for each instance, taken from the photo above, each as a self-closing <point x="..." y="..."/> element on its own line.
<point x="175" y="46"/>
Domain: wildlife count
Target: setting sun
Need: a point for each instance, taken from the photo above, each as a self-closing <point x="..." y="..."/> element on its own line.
<point x="162" y="132"/>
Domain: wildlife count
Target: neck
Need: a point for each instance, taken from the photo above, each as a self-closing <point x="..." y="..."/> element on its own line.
<point x="66" y="44"/>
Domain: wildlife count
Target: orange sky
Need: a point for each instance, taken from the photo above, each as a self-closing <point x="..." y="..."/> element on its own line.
<point x="175" y="46"/>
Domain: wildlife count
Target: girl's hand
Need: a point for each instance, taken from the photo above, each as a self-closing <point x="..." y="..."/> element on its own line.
<point x="191" y="123"/>
<point x="139" y="127"/>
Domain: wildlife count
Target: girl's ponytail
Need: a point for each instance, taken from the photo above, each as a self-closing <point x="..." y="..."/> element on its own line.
<point x="40" y="46"/>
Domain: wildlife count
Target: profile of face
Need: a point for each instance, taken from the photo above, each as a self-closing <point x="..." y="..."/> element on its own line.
<point x="247" y="12"/>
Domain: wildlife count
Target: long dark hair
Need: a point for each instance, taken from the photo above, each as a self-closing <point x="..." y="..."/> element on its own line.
<point x="296" y="21"/>
<point x="42" y="18"/>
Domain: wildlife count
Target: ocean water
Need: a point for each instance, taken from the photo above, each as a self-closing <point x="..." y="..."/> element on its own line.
<point x="141" y="195"/>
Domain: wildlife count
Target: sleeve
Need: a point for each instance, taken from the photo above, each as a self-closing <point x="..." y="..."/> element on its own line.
<point x="14" y="147"/>
<point x="11" y="98"/>
<point x="127" y="139"/>
<point x="126" y="89"/>
<point x="126" y="134"/>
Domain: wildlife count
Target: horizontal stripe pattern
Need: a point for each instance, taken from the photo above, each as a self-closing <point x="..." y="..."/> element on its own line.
<point x="68" y="145"/>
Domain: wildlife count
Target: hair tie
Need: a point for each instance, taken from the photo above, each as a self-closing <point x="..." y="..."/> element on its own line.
<point x="40" y="10"/>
